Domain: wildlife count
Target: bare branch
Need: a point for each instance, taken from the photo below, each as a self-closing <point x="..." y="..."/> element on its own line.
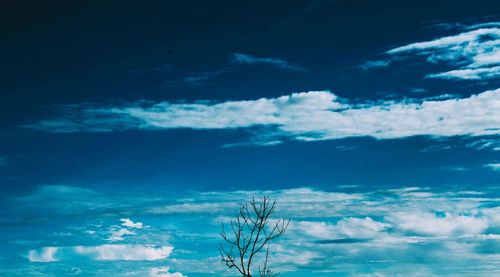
<point x="251" y="231"/>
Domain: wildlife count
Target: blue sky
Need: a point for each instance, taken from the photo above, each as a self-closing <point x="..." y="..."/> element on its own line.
<point x="130" y="131"/>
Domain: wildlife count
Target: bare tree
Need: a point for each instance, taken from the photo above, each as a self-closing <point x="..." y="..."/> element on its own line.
<point x="251" y="232"/>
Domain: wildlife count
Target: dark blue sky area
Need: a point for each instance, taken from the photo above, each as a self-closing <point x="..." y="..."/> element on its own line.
<point x="119" y="51"/>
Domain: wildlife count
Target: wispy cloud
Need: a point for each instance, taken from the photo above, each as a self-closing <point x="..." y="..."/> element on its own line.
<point x="202" y="79"/>
<point x="469" y="74"/>
<point x="476" y="52"/>
<point x="374" y="64"/>
<point x="315" y="115"/>
<point x="485" y="143"/>
<point x="239" y="58"/>
<point x="456" y="168"/>
<point x="164" y="271"/>
<point x="205" y="78"/>
<point x="118" y="234"/>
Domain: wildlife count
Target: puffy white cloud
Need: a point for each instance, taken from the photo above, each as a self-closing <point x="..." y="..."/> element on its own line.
<point x="315" y="115"/>
<point x="124" y="252"/>
<point x="45" y="254"/>
<point x="476" y="52"/>
<point x="127" y="222"/>
<point x="164" y="272"/>
<point x="425" y="223"/>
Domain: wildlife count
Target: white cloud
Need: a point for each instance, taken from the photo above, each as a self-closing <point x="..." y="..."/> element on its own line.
<point x="360" y="227"/>
<point x="46" y="254"/>
<point x="315" y="115"/>
<point x="349" y="227"/>
<point x="164" y="272"/>
<point x="114" y="252"/>
<point x="469" y="74"/>
<point x="493" y="166"/>
<point x="127" y="222"/>
<point x="278" y="63"/>
<point x="104" y="252"/>
<point x="322" y="230"/>
<point x="476" y="52"/>
<point x="425" y="223"/>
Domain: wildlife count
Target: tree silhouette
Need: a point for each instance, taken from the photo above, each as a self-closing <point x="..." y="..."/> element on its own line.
<point x="251" y="231"/>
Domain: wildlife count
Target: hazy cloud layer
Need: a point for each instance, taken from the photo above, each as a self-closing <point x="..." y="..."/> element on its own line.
<point x="329" y="229"/>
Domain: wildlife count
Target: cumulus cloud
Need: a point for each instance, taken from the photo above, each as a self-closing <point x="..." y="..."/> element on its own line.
<point x="315" y="115"/>
<point x="240" y="58"/>
<point x="46" y="254"/>
<point x="476" y="52"/>
<point x="426" y="223"/>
